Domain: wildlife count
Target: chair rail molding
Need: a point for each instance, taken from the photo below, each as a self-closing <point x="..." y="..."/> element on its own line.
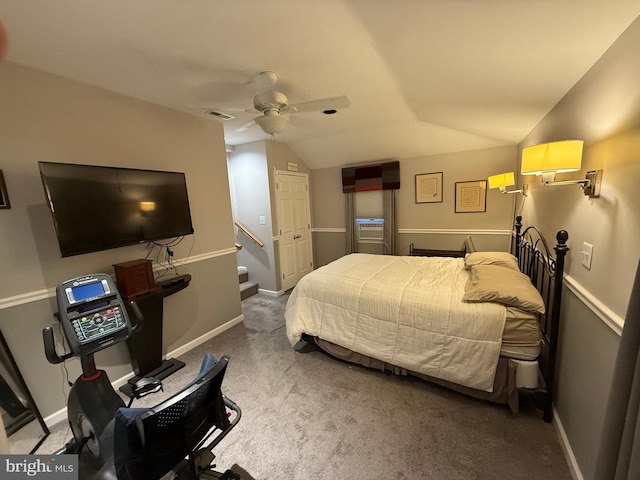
<point x="454" y="231"/>
<point x="437" y="231"/>
<point x="329" y="230"/>
<point x="604" y="313"/>
<point x="36" y="295"/>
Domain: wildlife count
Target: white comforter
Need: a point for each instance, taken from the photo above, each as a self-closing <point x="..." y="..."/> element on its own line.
<point x="406" y="311"/>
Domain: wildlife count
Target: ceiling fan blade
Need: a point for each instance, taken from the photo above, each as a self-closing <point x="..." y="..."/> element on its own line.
<point x="207" y="107"/>
<point x="332" y="103"/>
<point x="246" y="126"/>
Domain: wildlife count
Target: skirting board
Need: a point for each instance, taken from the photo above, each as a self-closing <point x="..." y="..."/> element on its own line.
<point x="574" y="469"/>
<point x="61" y="415"/>
<point x="203" y="338"/>
<point x="271" y="293"/>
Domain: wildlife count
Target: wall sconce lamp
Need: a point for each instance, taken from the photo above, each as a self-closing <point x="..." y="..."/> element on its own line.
<point x="503" y="180"/>
<point x="547" y="159"/>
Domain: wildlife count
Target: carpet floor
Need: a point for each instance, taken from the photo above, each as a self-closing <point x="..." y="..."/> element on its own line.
<point x="307" y="416"/>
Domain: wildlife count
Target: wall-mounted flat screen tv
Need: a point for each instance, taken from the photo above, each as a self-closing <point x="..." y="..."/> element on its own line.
<point x="97" y="208"/>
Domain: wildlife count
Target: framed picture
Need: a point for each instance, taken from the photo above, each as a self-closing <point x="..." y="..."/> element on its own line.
<point x="4" y="196"/>
<point x="429" y="187"/>
<point x="471" y="196"/>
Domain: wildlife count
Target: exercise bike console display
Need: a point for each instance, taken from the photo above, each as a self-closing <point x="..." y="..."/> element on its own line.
<point x="92" y="313"/>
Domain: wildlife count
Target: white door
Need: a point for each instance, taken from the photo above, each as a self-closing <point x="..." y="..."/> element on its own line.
<point x="294" y="225"/>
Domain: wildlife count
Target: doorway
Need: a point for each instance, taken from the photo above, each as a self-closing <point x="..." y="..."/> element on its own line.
<point x="294" y="226"/>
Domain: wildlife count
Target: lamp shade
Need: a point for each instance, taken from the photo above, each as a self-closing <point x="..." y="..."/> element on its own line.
<point x="502" y="180"/>
<point x="272" y="123"/>
<point x="554" y="157"/>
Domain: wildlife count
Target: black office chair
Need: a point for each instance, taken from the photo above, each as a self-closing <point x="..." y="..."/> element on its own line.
<point x="176" y="435"/>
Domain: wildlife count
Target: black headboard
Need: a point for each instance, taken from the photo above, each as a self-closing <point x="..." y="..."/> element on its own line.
<point x="546" y="272"/>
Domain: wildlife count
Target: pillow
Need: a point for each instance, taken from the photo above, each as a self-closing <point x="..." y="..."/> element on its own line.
<point x="469" y="246"/>
<point x="494" y="283"/>
<point x="502" y="259"/>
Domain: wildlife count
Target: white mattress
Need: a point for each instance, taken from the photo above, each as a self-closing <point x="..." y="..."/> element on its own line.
<point x="520" y="352"/>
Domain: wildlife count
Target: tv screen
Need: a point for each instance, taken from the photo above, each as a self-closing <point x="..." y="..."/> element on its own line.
<point x="97" y="208"/>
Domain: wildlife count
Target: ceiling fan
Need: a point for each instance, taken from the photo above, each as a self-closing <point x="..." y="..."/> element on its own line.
<point x="275" y="108"/>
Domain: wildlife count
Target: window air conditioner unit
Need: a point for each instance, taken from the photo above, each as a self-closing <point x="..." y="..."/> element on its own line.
<point x="369" y="230"/>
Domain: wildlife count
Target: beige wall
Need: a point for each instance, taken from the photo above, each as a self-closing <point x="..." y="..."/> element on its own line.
<point x="327" y="215"/>
<point x="428" y="225"/>
<point x="603" y="109"/>
<point x="280" y="155"/>
<point x="417" y="221"/>
<point x="456" y="167"/>
<point x="45" y="117"/>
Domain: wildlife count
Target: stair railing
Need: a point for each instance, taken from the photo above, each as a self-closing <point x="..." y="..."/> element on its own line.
<point x="246" y="231"/>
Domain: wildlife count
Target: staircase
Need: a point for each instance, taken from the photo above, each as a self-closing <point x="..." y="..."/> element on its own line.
<point x="247" y="288"/>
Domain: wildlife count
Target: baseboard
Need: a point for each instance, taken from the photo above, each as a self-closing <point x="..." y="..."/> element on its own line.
<point x="61" y="415"/>
<point x="271" y="293"/>
<point x="203" y="338"/>
<point x="574" y="469"/>
<point x="55" y="417"/>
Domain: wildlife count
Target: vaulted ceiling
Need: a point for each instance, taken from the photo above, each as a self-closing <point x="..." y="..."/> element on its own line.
<point x="422" y="76"/>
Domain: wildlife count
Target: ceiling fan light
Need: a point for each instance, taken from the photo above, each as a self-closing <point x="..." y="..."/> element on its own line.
<point x="272" y="124"/>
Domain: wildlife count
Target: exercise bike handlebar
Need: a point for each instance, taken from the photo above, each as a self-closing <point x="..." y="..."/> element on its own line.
<point x="50" y="346"/>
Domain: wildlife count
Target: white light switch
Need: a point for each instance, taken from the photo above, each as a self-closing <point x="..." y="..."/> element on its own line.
<point x="586" y="253"/>
<point x="263" y="220"/>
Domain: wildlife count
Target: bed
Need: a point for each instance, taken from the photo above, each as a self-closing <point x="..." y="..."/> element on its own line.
<point x="485" y="325"/>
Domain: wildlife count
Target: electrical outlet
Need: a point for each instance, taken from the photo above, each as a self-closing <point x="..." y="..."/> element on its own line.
<point x="263" y="220"/>
<point x="585" y="254"/>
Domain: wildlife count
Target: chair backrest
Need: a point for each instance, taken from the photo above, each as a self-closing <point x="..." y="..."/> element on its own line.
<point x="148" y="443"/>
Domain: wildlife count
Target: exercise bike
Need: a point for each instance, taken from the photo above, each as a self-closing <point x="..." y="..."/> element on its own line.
<point x="112" y="440"/>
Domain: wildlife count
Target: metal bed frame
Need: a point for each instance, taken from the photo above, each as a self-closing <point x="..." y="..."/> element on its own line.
<point x="535" y="259"/>
<point x="546" y="273"/>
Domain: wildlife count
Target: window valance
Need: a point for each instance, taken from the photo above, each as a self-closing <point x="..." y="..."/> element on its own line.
<point x="378" y="176"/>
